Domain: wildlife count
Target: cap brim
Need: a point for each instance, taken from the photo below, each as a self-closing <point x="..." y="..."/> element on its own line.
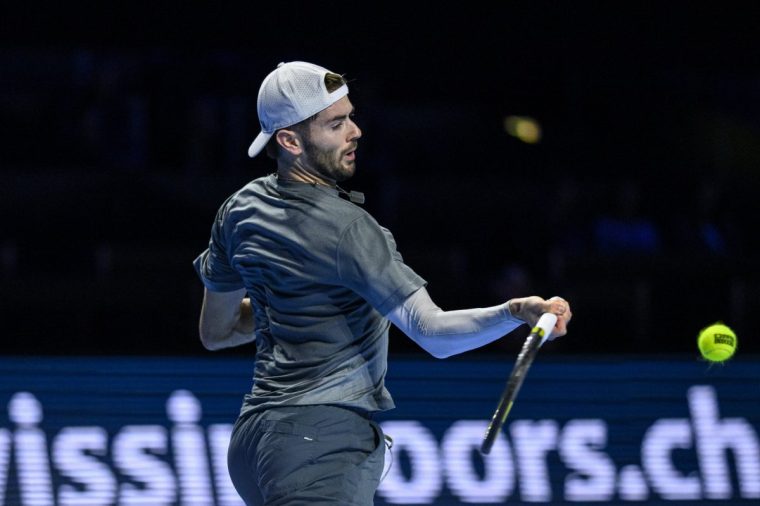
<point x="258" y="144"/>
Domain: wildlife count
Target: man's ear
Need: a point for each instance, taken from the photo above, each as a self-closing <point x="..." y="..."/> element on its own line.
<point x="290" y="141"/>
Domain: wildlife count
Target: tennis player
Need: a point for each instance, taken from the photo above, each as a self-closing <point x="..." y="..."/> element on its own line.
<point x="315" y="281"/>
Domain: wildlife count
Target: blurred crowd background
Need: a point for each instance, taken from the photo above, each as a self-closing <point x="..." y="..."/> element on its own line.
<point x="123" y="128"/>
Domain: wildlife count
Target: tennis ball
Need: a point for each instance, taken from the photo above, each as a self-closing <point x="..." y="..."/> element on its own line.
<point x="717" y="342"/>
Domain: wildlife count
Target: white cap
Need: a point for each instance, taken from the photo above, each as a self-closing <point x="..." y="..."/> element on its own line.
<point x="291" y="93"/>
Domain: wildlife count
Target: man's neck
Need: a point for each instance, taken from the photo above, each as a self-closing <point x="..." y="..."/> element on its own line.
<point x="303" y="175"/>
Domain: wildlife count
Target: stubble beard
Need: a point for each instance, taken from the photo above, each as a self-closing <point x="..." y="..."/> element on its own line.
<point x="328" y="163"/>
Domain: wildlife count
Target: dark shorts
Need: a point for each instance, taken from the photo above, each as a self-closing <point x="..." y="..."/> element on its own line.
<point x="306" y="455"/>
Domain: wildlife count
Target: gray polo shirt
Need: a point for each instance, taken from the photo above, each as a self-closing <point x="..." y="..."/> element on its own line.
<point x="321" y="274"/>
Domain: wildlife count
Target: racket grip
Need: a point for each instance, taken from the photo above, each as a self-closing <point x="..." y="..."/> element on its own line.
<point x="545" y="326"/>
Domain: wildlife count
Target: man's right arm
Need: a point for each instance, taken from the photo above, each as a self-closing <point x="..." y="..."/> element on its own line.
<point x="226" y="319"/>
<point x="446" y="333"/>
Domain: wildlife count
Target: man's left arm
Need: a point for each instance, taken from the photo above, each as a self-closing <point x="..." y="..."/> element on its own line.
<point x="226" y="319"/>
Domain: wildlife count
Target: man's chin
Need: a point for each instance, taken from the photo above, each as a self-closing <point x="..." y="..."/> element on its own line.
<point x="346" y="172"/>
<point x="337" y="174"/>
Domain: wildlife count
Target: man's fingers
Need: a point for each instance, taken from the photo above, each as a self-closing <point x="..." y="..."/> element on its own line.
<point x="558" y="306"/>
<point x="561" y="308"/>
<point x="529" y="309"/>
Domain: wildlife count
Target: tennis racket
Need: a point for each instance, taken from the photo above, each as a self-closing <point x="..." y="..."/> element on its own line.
<point x="538" y="335"/>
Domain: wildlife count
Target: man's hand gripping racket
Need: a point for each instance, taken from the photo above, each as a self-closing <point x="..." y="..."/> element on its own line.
<point x="538" y="335"/>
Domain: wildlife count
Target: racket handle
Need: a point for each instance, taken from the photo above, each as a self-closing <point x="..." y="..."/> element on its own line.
<point x="545" y="326"/>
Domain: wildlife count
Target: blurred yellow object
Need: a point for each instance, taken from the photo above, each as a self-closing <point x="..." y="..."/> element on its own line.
<point x="524" y="128"/>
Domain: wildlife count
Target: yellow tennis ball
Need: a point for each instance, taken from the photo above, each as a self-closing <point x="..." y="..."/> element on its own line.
<point x="717" y="342"/>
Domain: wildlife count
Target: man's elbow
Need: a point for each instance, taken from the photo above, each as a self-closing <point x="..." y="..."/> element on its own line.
<point x="211" y="345"/>
<point x="209" y="341"/>
<point x="434" y="345"/>
<point x="435" y="348"/>
<point x="441" y="354"/>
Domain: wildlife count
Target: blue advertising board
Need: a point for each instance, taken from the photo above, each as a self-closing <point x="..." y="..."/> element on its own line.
<point x="154" y="431"/>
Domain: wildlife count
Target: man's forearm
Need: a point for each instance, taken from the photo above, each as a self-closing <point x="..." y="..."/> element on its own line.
<point x="446" y="333"/>
<point x="218" y="331"/>
<point x="243" y="331"/>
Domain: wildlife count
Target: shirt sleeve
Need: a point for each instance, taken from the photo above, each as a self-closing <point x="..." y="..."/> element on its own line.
<point x="213" y="265"/>
<point x="447" y="333"/>
<point x="369" y="263"/>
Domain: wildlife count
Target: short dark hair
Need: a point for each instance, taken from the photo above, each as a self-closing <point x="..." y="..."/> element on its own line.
<point x="332" y="83"/>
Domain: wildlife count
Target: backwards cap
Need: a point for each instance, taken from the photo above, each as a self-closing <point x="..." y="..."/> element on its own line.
<point x="291" y="93"/>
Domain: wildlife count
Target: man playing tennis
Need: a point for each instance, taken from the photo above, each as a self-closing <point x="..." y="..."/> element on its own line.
<point x="315" y="281"/>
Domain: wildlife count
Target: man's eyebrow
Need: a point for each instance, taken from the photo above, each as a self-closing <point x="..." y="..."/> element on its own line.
<point x="340" y="116"/>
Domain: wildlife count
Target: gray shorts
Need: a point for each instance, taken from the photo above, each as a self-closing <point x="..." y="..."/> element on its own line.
<point x="306" y="455"/>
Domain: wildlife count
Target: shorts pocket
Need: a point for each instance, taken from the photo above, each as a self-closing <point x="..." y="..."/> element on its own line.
<point x="283" y="450"/>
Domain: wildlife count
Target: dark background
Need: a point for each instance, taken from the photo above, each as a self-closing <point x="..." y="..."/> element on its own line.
<point x="123" y="127"/>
